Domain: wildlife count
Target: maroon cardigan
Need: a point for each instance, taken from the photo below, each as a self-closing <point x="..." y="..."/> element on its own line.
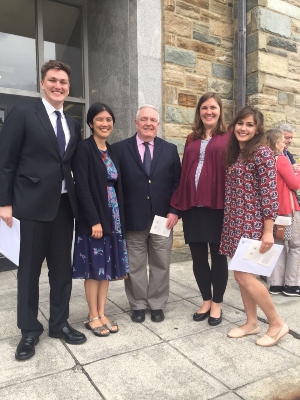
<point x="211" y="188"/>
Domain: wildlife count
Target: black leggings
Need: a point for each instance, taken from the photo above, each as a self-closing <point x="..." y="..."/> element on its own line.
<point x="209" y="278"/>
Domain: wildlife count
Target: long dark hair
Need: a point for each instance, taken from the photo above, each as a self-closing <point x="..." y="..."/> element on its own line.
<point x="198" y="127"/>
<point x="95" y="109"/>
<point x="233" y="149"/>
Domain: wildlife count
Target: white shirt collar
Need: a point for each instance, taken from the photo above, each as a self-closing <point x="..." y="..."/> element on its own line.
<point x="50" y="109"/>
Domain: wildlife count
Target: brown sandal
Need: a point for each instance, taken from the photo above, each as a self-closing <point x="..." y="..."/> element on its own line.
<point x="111" y="326"/>
<point x="99" y="330"/>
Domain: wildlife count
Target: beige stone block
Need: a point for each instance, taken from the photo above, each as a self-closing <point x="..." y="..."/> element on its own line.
<point x="221" y="8"/>
<point x="285" y="85"/>
<point x="187" y="100"/>
<point x="171" y="95"/>
<point x="262" y="100"/>
<point x="177" y="25"/>
<point x="297" y="101"/>
<point x="187" y="10"/>
<point x="185" y="131"/>
<point x="217" y="17"/>
<point x="227" y="44"/>
<point x="294" y="76"/>
<point x="204" y="19"/>
<point x="293" y="116"/>
<point x="171" y="130"/>
<point x="270" y="92"/>
<point x="173" y="75"/>
<point x="198" y="3"/>
<point x="220" y="86"/>
<point x="224" y="56"/>
<point x="273" y="119"/>
<point x="169" y="5"/>
<point x="204" y="67"/>
<point x="205" y="57"/>
<point x="196" y="46"/>
<point x="170" y="39"/>
<point x="196" y="82"/>
<point x="272" y="64"/>
<point x="222" y="29"/>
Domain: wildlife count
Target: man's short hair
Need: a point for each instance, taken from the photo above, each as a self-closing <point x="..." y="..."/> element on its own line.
<point x="54" y="64"/>
<point x="147" y="106"/>
<point x="285" y="127"/>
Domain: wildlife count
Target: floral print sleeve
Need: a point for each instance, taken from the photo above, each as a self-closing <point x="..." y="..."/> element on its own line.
<point x="265" y="165"/>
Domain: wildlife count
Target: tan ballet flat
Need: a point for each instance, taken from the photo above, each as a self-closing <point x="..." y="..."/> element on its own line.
<point x="268" y="341"/>
<point x="239" y="333"/>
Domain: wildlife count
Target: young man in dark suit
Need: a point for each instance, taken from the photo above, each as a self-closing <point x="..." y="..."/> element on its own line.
<point x="36" y="186"/>
<point x="150" y="173"/>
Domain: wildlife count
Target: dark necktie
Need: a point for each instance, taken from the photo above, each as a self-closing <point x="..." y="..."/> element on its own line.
<point x="60" y="135"/>
<point x="147" y="158"/>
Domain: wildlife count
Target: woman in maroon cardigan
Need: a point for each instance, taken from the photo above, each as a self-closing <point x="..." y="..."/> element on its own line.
<point x="200" y="196"/>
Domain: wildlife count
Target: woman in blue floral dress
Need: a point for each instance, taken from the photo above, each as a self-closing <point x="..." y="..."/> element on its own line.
<point x="100" y="253"/>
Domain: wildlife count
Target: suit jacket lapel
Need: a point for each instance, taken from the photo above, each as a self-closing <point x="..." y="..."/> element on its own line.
<point x="73" y="138"/>
<point x="45" y="121"/>
<point x="158" y="146"/>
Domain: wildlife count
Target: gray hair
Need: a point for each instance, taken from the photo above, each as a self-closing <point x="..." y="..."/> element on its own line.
<point x="147" y="106"/>
<point x="285" y="128"/>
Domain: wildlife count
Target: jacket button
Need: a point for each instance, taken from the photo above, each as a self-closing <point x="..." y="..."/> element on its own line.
<point x="148" y="197"/>
<point x="149" y="181"/>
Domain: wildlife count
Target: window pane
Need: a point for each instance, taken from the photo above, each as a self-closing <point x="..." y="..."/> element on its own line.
<point x="17" y="45"/>
<point x="74" y="110"/>
<point x="62" y="40"/>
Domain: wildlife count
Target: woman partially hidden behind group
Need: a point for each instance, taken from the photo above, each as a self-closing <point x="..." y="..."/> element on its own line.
<point x="200" y="196"/>
<point x="251" y="205"/>
<point x="100" y="253"/>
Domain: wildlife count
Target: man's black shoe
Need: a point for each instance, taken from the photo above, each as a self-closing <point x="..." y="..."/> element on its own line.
<point x="138" y="315"/>
<point x="69" y="335"/>
<point x="157" y="315"/>
<point x="26" y="348"/>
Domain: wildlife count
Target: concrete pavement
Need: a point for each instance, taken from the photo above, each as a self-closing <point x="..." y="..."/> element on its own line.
<point x="175" y="359"/>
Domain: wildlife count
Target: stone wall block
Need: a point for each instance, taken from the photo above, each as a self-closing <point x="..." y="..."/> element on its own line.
<point x="196" y="82"/>
<point x="297" y="101"/>
<point x="169" y="5"/>
<point x="177" y="25"/>
<point x="269" y="21"/>
<point x="218" y="28"/>
<point x="179" y="142"/>
<point x="252" y="42"/>
<point x="187" y="100"/>
<point x="221" y="9"/>
<point x="170" y="39"/>
<point x="181" y="57"/>
<point x="179" y="115"/>
<point x="222" y="71"/>
<point x="250" y="4"/>
<point x="273" y="119"/>
<point x="171" y="94"/>
<point x="173" y="75"/>
<point x="285" y="8"/>
<point x="223" y="88"/>
<point x="293" y="116"/>
<point x="196" y="46"/>
<point x="199" y="3"/>
<point x="204" y="67"/>
<point x="254" y="83"/>
<point x="224" y="56"/>
<point x="282" y="44"/>
<point x="172" y="130"/>
<point x="261" y="99"/>
<point x="206" y="38"/>
<point x="272" y="64"/>
<point x="282" y="84"/>
<point x="286" y="99"/>
<point x="187" y="10"/>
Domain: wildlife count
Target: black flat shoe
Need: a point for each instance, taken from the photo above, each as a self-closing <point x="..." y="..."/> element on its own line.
<point x="157" y="315"/>
<point x="69" y="335"/>
<point x="215" y="321"/>
<point x="138" y="315"/>
<point x="26" y="348"/>
<point x="200" y="316"/>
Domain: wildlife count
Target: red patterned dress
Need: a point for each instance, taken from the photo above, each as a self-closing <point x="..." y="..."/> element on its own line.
<point x="250" y="198"/>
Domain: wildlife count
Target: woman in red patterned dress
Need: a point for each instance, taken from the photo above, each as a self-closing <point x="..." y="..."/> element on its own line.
<point x="251" y="205"/>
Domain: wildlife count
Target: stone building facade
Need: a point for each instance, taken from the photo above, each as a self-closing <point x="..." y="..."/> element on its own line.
<point x="200" y="52"/>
